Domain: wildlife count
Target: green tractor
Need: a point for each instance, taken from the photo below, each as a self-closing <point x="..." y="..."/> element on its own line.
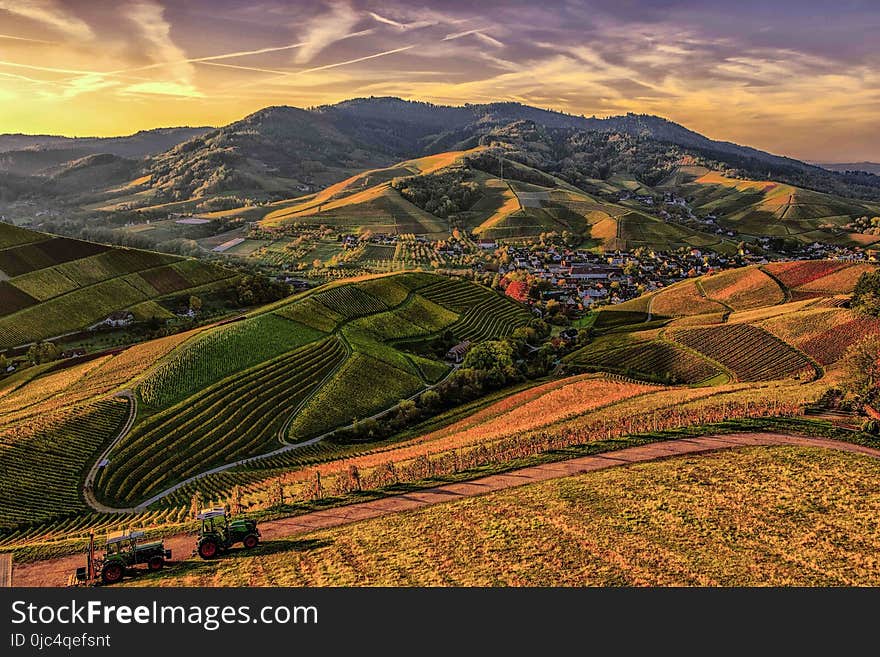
<point x="217" y="533"/>
<point x="122" y="552"/>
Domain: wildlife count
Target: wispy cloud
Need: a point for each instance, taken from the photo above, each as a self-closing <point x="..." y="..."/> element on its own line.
<point x="50" y="14"/>
<point x="414" y="25"/>
<point x="155" y="32"/>
<point x="356" y="60"/>
<point x="21" y="38"/>
<point x="325" y="29"/>
<point x="479" y="33"/>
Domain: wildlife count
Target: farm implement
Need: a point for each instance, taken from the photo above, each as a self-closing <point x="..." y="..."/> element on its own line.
<point x="123" y="551"/>
<point x="217" y="533"/>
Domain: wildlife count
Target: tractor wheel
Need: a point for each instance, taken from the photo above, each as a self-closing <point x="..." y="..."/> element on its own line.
<point x="112" y="573"/>
<point x="251" y="541"/>
<point x="156" y="563"/>
<point x="208" y="548"/>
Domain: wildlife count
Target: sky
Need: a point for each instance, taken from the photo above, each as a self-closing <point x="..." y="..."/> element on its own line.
<point x="794" y="77"/>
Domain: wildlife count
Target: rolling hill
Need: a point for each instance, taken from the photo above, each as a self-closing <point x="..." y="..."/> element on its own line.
<point x="768" y="208"/>
<point x="282" y="153"/>
<point x="526" y="202"/>
<point x="290" y="372"/>
<point x="750" y="324"/>
<point x="53" y="285"/>
<point x="765" y="342"/>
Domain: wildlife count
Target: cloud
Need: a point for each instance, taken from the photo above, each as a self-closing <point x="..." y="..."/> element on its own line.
<point x="20" y="38"/>
<point x="325" y="29"/>
<point x="164" y="89"/>
<point x="155" y="33"/>
<point x="401" y="26"/>
<point x="51" y="14"/>
<point x="477" y="33"/>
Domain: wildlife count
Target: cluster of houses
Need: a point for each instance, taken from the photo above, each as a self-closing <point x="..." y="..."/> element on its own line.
<point x="582" y="279"/>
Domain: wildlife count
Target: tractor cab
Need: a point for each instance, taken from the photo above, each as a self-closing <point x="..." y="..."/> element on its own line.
<point x="218" y="533"/>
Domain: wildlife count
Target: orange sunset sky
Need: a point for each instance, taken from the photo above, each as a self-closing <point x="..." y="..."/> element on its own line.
<point x="795" y="78"/>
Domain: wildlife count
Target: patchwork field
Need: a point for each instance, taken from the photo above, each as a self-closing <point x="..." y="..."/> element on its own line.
<point x="223" y="394"/>
<point x="57" y="285"/>
<point x="302" y="368"/>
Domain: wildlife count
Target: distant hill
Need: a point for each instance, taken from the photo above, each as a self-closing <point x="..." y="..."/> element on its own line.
<point x="52" y="285"/>
<point x="140" y="144"/>
<point x="867" y="167"/>
<point x="287" y="155"/>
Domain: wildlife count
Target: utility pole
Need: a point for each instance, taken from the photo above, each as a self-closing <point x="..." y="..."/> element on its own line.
<point x="501" y="162"/>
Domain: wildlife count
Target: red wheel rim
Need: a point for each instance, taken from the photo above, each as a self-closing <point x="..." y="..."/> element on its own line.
<point x="209" y="549"/>
<point x="113" y="573"/>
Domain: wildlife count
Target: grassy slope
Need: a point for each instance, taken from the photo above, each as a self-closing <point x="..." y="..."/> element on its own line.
<point x="763" y="207"/>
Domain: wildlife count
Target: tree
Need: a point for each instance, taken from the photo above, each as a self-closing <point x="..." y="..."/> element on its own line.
<point x="43" y="352"/>
<point x="486" y="356"/>
<point x="861" y="365"/>
<point x="866" y="294"/>
<point x="195" y="304"/>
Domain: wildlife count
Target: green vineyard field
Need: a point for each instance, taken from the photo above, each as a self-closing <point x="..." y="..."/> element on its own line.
<point x="239" y="417"/>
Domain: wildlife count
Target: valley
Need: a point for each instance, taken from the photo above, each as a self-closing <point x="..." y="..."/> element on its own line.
<point x="310" y="309"/>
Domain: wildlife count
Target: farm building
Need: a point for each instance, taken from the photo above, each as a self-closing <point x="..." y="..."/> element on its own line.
<point x="456" y="354"/>
<point x="115" y="320"/>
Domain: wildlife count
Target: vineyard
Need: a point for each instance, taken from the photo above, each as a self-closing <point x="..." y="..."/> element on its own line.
<point x="414" y="318"/>
<point x="492" y="317"/>
<point x="684" y="298"/>
<point x="350" y="301"/>
<point x="219" y="353"/>
<point x="795" y="274"/>
<point x="654" y="359"/>
<point x="507" y="433"/>
<point x="454" y="294"/>
<point x="823" y="333"/>
<point x="743" y="289"/>
<point x="751" y="353"/>
<point x="238" y="417"/>
<point x="42" y="460"/>
<point x="59" y="285"/>
<point x="364" y="385"/>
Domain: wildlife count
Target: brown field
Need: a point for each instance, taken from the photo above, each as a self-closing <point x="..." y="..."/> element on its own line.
<point x="683" y="299"/>
<point x="777" y="516"/>
<point x="743" y="289"/>
<point x="839" y="282"/>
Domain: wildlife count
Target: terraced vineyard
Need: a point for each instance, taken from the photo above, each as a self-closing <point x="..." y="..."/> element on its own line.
<point x="751" y="353"/>
<point x="654" y="359"/>
<point x="42" y="460"/>
<point x="241" y="416"/>
<point x="350" y="301"/>
<point x="218" y="353"/>
<point x="489" y="318"/>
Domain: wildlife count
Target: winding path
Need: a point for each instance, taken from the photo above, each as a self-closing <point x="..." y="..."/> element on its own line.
<point x="54" y="572"/>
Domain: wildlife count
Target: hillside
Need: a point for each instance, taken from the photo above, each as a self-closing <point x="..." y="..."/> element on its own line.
<point x="867" y="167"/>
<point x="739" y="346"/>
<point x="463" y="189"/>
<point x="603" y="528"/>
<point x="218" y="394"/>
<point x="52" y="285"/>
<point x="283" y="152"/>
<point x="752" y="324"/>
<point x="769" y="208"/>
